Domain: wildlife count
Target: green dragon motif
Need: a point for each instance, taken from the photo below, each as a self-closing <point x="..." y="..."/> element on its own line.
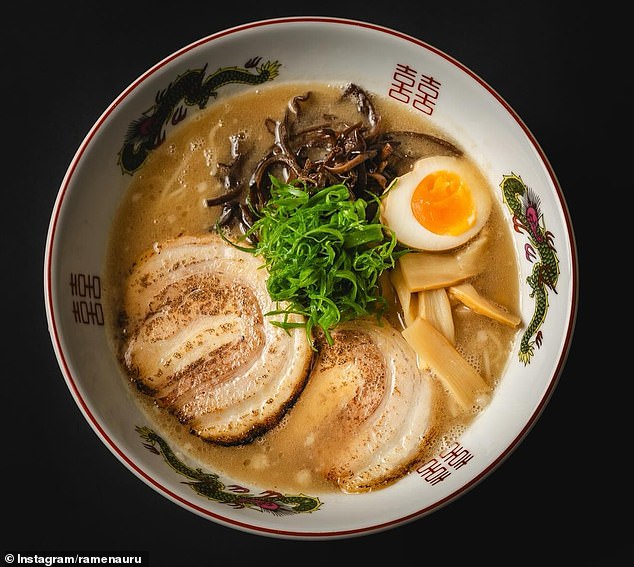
<point x="148" y="132"/>
<point x="209" y="485"/>
<point x="527" y="218"/>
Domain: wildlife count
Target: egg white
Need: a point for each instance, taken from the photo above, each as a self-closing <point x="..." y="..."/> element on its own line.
<point x="396" y="210"/>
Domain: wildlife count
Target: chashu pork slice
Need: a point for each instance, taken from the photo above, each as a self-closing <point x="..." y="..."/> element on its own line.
<point x="198" y="340"/>
<point x="367" y="411"/>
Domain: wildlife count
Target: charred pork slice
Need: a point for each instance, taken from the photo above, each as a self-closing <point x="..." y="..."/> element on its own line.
<point x="199" y="342"/>
<point x="367" y="411"/>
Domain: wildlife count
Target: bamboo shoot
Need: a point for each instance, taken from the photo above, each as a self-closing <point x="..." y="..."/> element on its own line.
<point x="436" y="353"/>
<point x="470" y="257"/>
<point x="469" y="296"/>
<point x="408" y="300"/>
<point x="434" y="305"/>
<point x="430" y="270"/>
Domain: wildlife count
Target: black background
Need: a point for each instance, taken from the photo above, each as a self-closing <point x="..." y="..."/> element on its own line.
<point x="61" y="487"/>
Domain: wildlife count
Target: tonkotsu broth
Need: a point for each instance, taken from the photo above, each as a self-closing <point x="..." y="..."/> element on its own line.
<point x="166" y="199"/>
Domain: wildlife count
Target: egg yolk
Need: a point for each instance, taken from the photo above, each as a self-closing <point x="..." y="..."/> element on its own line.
<point x="443" y="204"/>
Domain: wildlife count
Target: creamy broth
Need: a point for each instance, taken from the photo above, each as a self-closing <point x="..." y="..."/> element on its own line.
<point x="167" y="198"/>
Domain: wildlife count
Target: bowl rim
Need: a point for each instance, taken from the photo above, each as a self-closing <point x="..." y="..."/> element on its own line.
<point x="113" y="446"/>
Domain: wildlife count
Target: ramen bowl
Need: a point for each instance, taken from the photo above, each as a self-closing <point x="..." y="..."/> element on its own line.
<point x="207" y="75"/>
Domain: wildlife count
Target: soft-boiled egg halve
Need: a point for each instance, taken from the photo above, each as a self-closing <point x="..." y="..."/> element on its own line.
<point x="440" y="204"/>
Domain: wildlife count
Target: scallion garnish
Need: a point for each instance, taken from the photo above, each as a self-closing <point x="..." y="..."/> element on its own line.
<point x="323" y="255"/>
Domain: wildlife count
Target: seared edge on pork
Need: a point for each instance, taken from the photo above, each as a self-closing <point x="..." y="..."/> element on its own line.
<point x="368" y="410"/>
<point x="198" y="341"/>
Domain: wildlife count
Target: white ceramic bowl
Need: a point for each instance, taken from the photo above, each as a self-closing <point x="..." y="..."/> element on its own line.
<point x="336" y="51"/>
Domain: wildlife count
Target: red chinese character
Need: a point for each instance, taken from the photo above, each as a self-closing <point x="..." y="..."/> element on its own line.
<point x="426" y="94"/>
<point x="433" y="84"/>
<point x="405" y="70"/>
<point x="456" y="456"/>
<point x="433" y="472"/>
<point x="403" y="81"/>
<point x="424" y="104"/>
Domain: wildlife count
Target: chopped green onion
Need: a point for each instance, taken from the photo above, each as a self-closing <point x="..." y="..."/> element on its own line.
<point x="324" y="257"/>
